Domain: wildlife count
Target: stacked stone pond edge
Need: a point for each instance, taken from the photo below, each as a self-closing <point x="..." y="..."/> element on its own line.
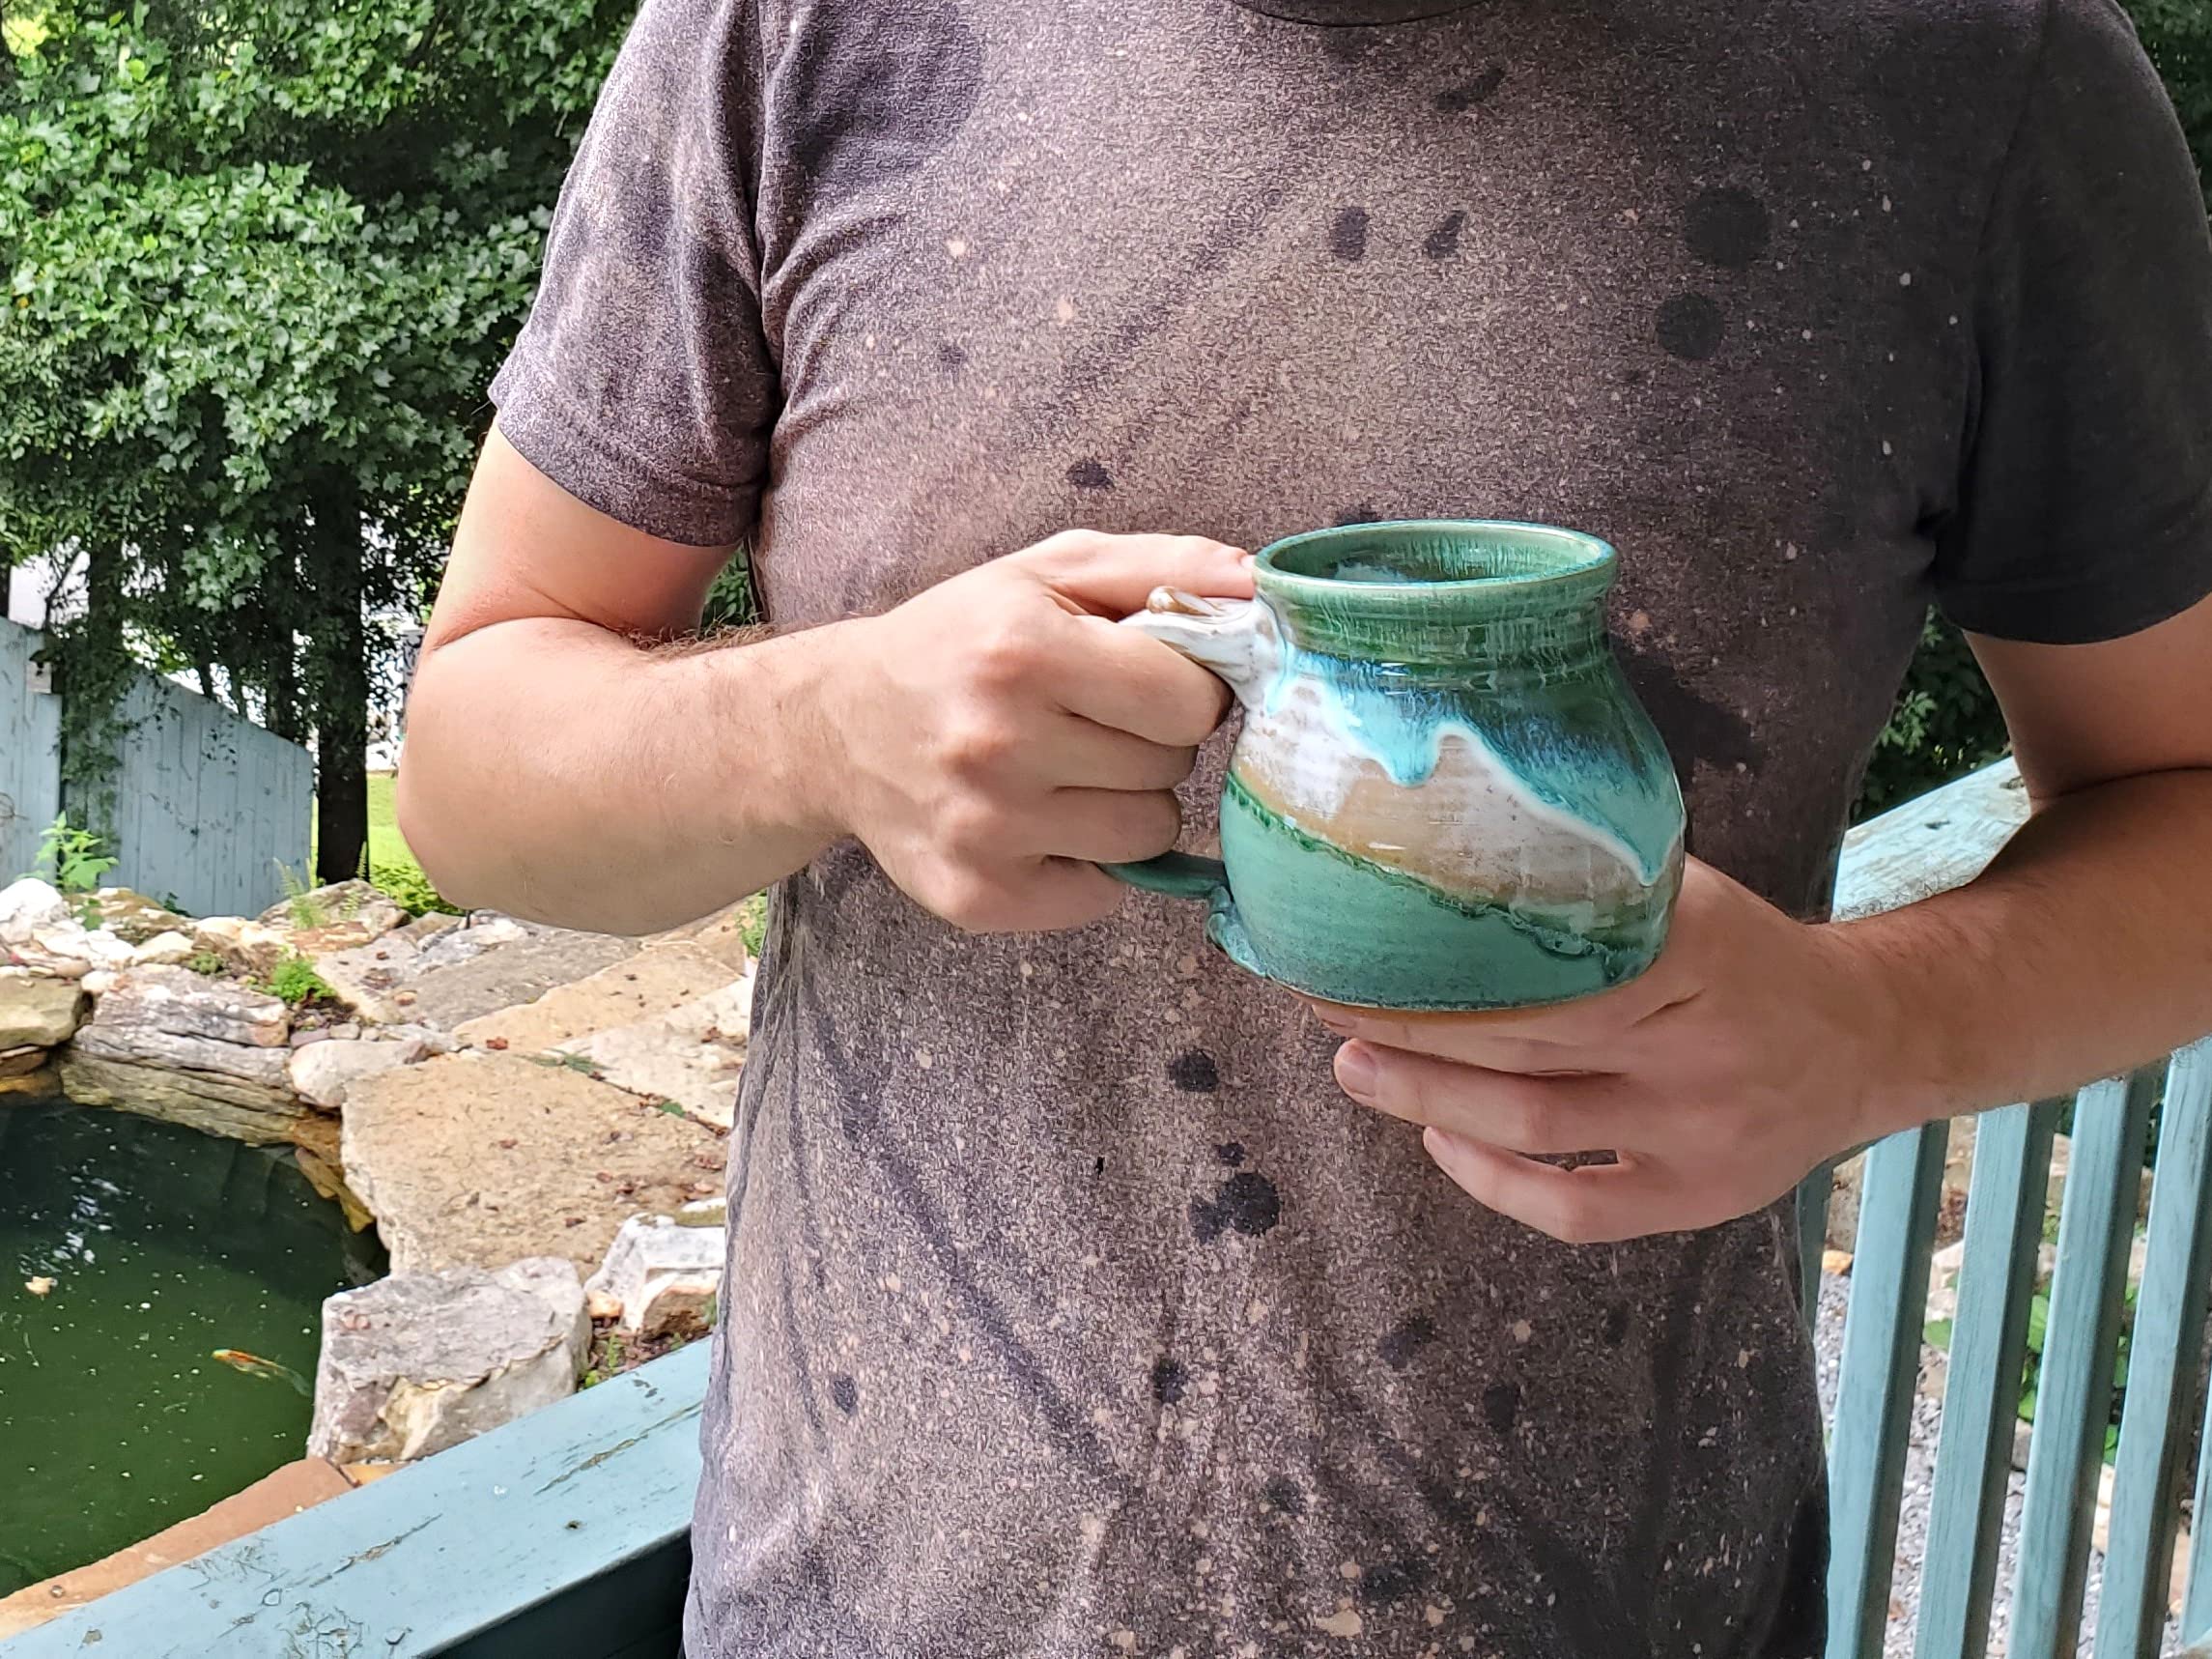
<point x="516" y="1108"/>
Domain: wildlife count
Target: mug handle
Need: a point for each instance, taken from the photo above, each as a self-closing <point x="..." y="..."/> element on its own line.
<point x="1178" y="874"/>
<point x="1223" y="636"/>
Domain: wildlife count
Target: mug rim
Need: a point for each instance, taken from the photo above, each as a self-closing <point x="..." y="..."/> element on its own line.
<point x="1600" y="560"/>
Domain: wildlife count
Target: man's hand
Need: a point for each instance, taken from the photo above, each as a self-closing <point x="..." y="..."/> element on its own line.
<point x="998" y="736"/>
<point x="1755" y="1047"/>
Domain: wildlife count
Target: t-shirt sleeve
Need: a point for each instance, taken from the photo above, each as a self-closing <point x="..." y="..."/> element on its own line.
<point x="640" y="383"/>
<point x="2085" y="509"/>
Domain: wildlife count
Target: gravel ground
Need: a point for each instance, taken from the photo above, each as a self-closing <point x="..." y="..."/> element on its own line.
<point x="1912" y="1517"/>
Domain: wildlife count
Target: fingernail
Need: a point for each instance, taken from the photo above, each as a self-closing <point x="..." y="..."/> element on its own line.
<point x="1355" y="1072"/>
<point x="1333" y="1018"/>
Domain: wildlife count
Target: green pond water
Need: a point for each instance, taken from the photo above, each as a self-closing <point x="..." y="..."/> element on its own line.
<point x="164" y="1244"/>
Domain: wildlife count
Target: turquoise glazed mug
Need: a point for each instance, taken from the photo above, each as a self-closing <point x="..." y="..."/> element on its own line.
<point x="1445" y="796"/>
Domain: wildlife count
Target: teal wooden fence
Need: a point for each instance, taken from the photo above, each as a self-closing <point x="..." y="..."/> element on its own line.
<point x="208" y="803"/>
<point x="567" y="1532"/>
<point x="30" y="733"/>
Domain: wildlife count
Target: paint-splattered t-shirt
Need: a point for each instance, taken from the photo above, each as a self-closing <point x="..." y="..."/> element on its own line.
<point x="1072" y="1311"/>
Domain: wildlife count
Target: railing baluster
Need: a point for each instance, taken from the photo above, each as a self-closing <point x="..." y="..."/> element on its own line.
<point x="2162" y="1364"/>
<point x="1812" y="1236"/>
<point x="2074" y="1397"/>
<point x="1875" y="1388"/>
<point x="2196" y="1602"/>
<point x="1981" y="1391"/>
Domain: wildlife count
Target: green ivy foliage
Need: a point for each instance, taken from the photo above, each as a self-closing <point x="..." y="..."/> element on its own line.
<point x="2178" y="35"/>
<point x="258" y="262"/>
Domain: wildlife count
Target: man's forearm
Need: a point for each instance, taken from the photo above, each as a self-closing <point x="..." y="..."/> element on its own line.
<point x="2084" y="949"/>
<point x="559" y="772"/>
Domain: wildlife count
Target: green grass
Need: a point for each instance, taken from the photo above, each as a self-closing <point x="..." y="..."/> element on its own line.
<point x="387" y="848"/>
<point x="392" y="865"/>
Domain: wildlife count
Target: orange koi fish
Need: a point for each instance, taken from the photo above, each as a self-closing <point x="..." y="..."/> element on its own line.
<point x="254" y="1365"/>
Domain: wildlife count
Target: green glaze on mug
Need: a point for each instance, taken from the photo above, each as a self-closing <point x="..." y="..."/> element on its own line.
<point x="1445" y="796"/>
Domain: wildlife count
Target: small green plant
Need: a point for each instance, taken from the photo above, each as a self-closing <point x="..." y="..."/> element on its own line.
<point x="298" y="898"/>
<point x="73" y="859"/>
<point x="579" y="1063"/>
<point x="1937" y="1334"/>
<point x="206" y="962"/>
<point x="410" y="890"/>
<point x="752" y="920"/>
<point x="295" y="980"/>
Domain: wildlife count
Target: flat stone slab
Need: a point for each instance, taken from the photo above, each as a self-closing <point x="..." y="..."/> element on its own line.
<point x="16" y="1062"/>
<point x="457" y="974"/>
<point x="691" y="1055"/>
<point x="354" y="904"/>
<point x="36" y="1084"/>
<point x="176" y="1002"/>
<point x="134" y="918"/>
<point x="722" y="934"/>
<point x="166" y="1043"/>
<point x="205" y="1101"/>
<point x="655" y="981"/>
<point x="322" y="1074"/>
<point x="417" y="1362"/>
<point x="479" y="1159"/>
<point x="38" y="1010"/>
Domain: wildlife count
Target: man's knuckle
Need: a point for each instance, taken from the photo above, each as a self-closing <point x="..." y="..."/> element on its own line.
<point x="975" y="744"/>
<point x="1061" y="544"/>
<point x="1004" y="659"/>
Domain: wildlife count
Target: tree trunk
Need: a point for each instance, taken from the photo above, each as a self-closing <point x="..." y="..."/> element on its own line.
<point x="284" y="697"/>
<point x="341" y="685"/>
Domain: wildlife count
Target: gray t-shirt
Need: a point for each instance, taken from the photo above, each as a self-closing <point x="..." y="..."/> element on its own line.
<point x="1072" y="1311"/>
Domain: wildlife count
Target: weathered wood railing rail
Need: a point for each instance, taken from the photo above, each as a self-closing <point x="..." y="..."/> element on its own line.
<point x="568" y="1533"/>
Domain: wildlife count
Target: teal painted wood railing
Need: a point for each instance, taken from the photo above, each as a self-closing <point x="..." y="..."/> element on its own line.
<point x="1989" y="1344"/>
<point x="1924" y="847"/>
<point x="568" y="1533"/>
<point x="1880" y="1355"/>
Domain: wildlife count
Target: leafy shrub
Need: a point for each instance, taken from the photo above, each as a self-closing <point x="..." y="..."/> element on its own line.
<point x="1946" y="723"/>
<point x="295" y="980"/>
<point x="73" y="859"/>
<point x="1939" y="1332"/>
<point x="410" y="890"/>
<point x="752" y="920"/>
<point x="2178" y="35"/>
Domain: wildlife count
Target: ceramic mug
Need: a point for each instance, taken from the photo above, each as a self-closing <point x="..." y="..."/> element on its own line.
<point x="1445" y="796"/>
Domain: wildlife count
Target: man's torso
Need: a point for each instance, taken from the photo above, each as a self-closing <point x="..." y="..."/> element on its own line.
<point x="1072" y="1308"/>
